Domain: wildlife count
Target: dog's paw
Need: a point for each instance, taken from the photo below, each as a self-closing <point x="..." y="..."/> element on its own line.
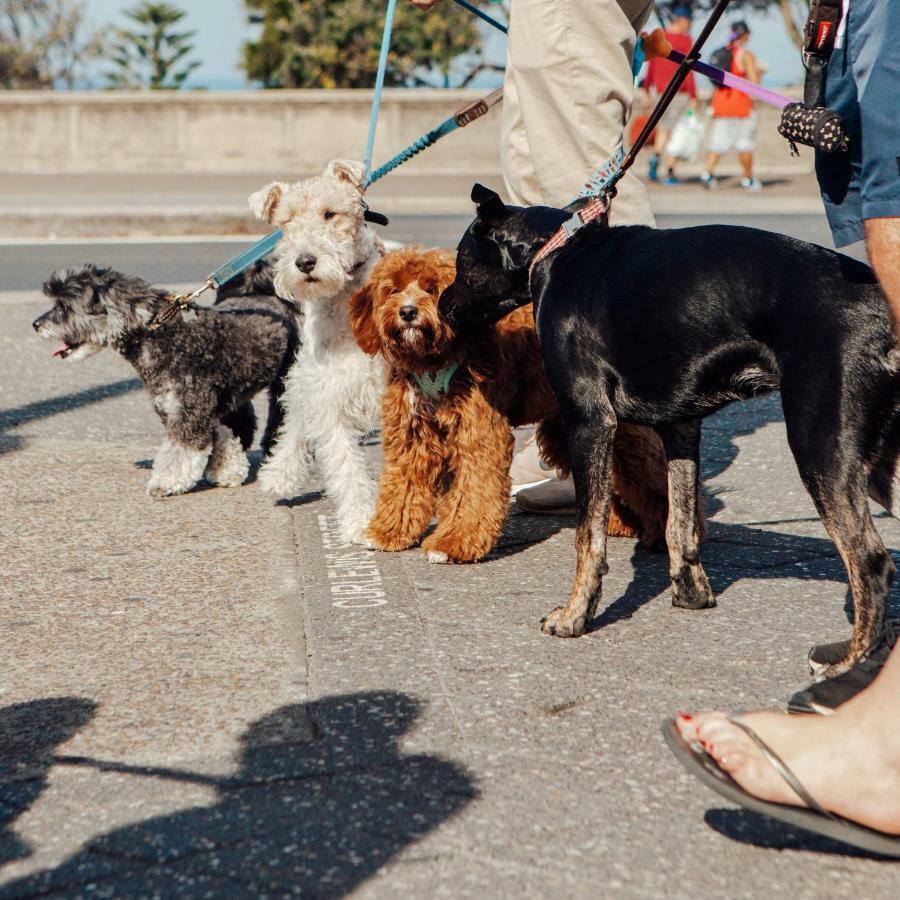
<point x="276" y="480"/>
<point x="445" y="548"/>
<point x="691" y="590"/>
<point x="555" y="623"/>
<point x="158" y="490"/>
<point x="232" y="472"/>
<point x="376" y="539"/>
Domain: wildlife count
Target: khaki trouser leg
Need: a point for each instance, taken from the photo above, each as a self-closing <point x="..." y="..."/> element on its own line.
<point x="568" y="94"/>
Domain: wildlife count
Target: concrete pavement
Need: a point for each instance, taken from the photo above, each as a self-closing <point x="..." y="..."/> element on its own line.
<point x="210" y="696"/>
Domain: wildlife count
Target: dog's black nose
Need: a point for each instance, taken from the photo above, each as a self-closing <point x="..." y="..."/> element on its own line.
<point x="306" y="263"/>
<point x="408" y="313"/>
<point x="36" y="324"/>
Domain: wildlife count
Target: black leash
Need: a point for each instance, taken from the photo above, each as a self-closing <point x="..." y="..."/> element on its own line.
<point x="669" y="93"/>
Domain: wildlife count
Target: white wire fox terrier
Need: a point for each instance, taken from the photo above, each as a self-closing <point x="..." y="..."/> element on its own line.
<point x="201" y="369"/>
<point x="333" y="391"/>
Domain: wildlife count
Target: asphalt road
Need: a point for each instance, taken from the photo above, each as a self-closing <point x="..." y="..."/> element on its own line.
<point x="189" y="707"/>
<point x="176" y="261"/>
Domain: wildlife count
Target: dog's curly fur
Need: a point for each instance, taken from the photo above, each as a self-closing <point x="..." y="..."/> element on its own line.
<point x="450" y="454"/>
<point x="333" y="391"/>
<point x="201" y="370"/>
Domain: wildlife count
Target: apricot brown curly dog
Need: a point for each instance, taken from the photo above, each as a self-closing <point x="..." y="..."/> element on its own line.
<point x="448" y="413"/>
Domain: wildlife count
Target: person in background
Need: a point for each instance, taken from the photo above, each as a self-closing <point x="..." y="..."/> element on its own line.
<point x="734" y="122"/>
<point x="659" y="74"/>
<point x="567" y="95"/>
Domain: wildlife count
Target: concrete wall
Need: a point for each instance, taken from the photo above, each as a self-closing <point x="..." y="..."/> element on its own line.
<point x="55" y="132"/>
<point x="272" y="131"/>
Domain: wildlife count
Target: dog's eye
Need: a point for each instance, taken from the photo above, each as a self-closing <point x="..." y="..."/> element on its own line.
<point x="328" y="215"/>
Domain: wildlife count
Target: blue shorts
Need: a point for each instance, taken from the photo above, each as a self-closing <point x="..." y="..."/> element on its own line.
<point x="863" y="84"/>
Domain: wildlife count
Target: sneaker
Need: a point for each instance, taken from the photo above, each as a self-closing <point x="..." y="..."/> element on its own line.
<point x="653" y="168"/>
<point x="709" y="181"/>
<point x="824" y="697"/>
<point x="552" y="498"/>
<point x="528" y="469"/>
<point x="751" y="184"/>
<point x="672" y="179"/>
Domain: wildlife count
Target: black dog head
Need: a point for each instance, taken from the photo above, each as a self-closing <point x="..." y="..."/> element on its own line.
<point x="93" y="308"/>
<point x="493" y="259"/>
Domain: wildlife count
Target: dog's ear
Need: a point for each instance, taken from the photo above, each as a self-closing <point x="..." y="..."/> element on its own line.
<point x="362" y="320"/>
<point x="488" y="203"/>
<point x="349" y="170"/>
<point x="264" y="203"/>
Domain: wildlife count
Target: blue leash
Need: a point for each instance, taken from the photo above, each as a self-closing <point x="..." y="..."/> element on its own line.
<point x="263" y="248"/>
<point x="379" y="82"/>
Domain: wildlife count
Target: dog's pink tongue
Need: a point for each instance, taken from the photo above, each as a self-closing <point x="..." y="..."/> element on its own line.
<point x="61" y="349"/>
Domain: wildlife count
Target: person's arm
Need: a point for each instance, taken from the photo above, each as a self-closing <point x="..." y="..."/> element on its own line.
<point x="748" y="64"/>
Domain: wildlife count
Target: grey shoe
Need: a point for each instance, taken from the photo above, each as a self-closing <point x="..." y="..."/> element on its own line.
<point x="552" y="498"/>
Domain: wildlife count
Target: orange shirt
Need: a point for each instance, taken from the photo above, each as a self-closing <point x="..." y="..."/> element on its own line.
<point x="730" y="102"/>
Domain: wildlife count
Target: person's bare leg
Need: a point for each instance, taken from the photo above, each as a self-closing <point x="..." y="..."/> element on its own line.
<point x="659" y="141"/>
<point x="849" y="762"/>
<point x="883" y="244"/>
<point x="746" y="164"/>
<point x="711" y="162"/>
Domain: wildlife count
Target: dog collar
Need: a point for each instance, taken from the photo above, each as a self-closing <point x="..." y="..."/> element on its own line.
<point x="436" y="383"/>
<point x="596" y="209"/>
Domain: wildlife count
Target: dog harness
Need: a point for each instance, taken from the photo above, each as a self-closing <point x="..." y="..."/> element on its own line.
<point x="436" y="383"/>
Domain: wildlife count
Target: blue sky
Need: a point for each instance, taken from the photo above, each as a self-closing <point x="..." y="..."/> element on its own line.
<point x="222" y="28"/>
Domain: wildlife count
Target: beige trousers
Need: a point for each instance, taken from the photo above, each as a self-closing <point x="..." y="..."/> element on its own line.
<point x="567" y="96"/>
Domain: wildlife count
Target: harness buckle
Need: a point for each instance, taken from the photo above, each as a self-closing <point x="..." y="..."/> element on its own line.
<point x="570" y="226"/>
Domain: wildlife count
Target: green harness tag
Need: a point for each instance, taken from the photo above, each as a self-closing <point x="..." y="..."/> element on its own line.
<point x="436" y="383"/>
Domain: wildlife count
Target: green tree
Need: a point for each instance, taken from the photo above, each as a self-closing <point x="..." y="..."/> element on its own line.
<point x="311" y="43"/>
<point x="43" y="43"/>
<point x="151" y="54"/>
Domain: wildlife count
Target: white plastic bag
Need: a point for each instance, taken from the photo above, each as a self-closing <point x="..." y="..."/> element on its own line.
<point x="687" y="137"/>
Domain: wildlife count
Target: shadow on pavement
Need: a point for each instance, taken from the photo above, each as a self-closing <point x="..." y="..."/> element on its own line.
<point x="42" y="409"/>
<point x="29" y="733"/>
<point x="731" y="553"/>
<point x="748" y="827"/>
<point x="300" y="816"/>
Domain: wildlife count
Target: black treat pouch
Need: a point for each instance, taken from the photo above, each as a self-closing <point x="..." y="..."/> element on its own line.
<point x="813" y="126"/>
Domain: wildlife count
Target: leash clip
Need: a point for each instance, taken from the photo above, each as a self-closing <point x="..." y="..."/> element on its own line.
<point x="177" y="304"/>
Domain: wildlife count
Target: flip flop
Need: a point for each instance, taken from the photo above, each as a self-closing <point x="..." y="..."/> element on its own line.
<point x="814" y="818"/>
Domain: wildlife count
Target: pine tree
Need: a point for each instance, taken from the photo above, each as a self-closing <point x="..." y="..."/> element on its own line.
<point x="151" y="54"/>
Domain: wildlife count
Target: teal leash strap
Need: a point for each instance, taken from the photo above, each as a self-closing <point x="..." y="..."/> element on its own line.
<point x="379" y="81"/>
<point x="244" y="260"/>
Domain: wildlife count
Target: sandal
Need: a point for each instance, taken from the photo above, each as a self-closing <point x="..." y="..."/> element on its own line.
<point x="814" y="818"/>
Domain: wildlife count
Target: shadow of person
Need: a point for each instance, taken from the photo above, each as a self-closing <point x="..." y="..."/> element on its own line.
<point x="308" y="811"/>
<point x="747" y="827"/>
<point x="29" y="733"/>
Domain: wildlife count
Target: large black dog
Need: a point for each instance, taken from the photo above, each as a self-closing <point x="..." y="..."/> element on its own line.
<point x="664" y="327"/>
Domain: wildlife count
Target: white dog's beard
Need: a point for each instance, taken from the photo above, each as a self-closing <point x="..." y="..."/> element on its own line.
<point x="325" y="281"/>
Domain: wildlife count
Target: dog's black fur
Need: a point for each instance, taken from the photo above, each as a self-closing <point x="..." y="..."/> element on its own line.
<point x="664" y="327"/>
<point x="200" y="369"/>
